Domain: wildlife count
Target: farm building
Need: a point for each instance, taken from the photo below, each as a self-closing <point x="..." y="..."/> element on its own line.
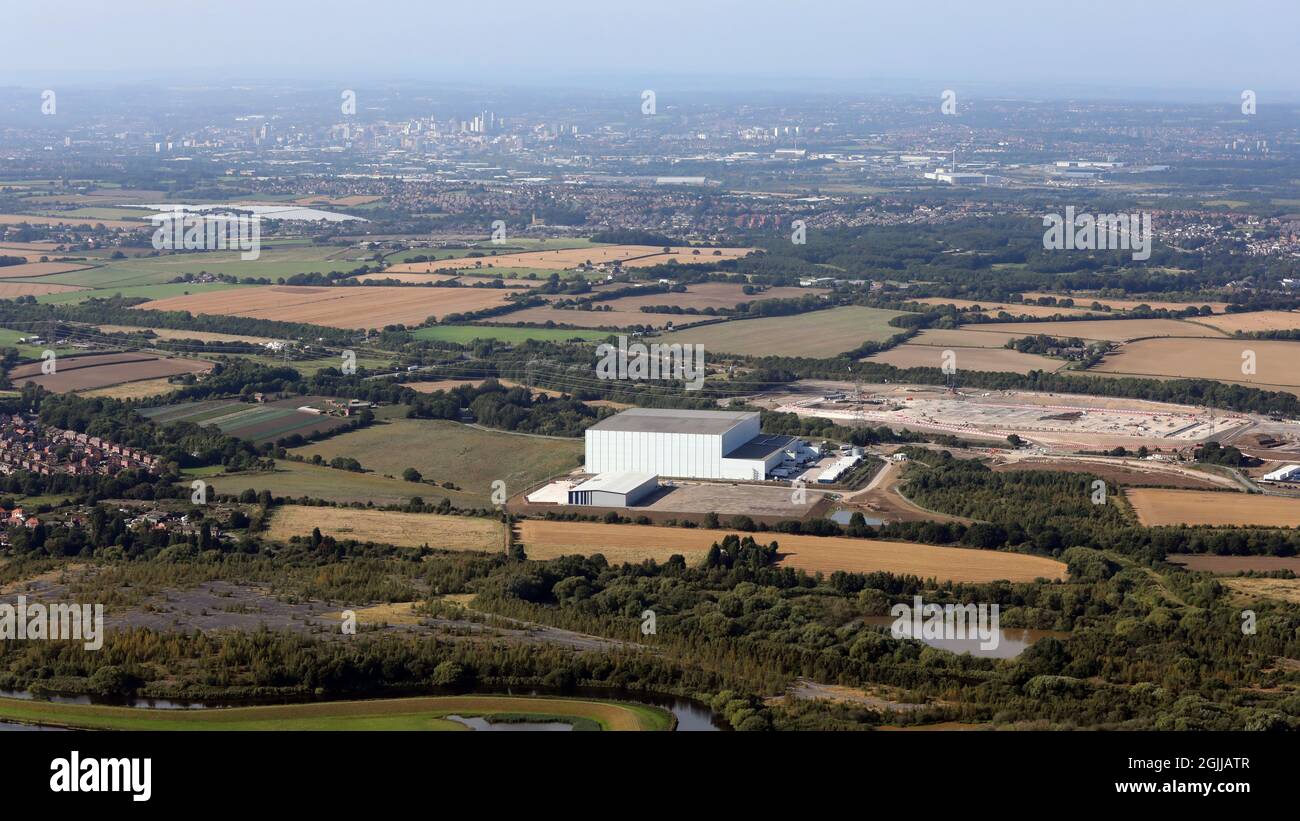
<point x="1286" y="473"/>
<point x="691" y="444"/>
<point x="614" y="489"/>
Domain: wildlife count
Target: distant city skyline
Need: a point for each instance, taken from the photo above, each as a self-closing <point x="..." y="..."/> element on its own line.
<point x="1195" y="51"/>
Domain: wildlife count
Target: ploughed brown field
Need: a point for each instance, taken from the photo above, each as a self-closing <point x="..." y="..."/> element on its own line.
<point x="1227" y="565"/>
<point x="1276" y="362"/>
<point x="967" y="359"/>
<point x="1156" y="507"/>
<point x="75" y="373"/>
<point x="361" y="306"/>
<point x="635" y="543"/>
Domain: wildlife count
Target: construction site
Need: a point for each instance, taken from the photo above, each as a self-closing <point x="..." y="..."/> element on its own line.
<point x="1055" y="421"/>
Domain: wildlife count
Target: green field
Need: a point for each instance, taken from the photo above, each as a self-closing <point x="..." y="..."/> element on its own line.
<point x="146" y="291"/>
<point x="9" y="339"/>
<point x="420" y="713"/>
<point x="449" y="451"/>
<point x="816" y="334"/>
<point x="102" y="213"/>
<point x="279" y="258"/>
<point x="463" y="334"/>
<point x="514" y="246"/>
<point x="246" y="420"/>
<point x="293" y="480"/>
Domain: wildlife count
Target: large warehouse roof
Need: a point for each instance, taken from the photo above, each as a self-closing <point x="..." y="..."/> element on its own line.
<point x="672" y="420"/>
<point x="760" y="447"/>
<point x="621" y="482"/>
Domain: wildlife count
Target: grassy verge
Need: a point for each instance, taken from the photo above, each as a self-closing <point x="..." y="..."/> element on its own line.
<point x="423" y="713"/>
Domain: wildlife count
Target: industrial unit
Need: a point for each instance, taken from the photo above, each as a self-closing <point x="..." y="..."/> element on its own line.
<point x="614" y="489"/>
<point x="1286" y="473"/>
<point x="690" y="444"/>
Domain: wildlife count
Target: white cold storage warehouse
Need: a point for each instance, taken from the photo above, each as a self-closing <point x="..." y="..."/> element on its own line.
<point x="1286" y="473"/>
<point x="614" y="489"/>
<point x="691" y="444"/>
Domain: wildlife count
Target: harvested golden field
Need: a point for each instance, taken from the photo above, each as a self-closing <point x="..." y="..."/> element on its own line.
<point x="708" y="295"/>
<point x="443" y="385"/>
<point x="172" y="333"/>
<point x="361" y="306"/>
<point x="569" y="258"/>
<point x="598" y="319"/>
<point x="133" y="390"/>
<point x="1287" y="590"/>
<point x="969" y="336"/>
<point x="635" y="543"/>
<point x="37" y="269"/>
<point x="1084" y="301"/>
<point x="418" y="279"/>
<point x="9" y="290"/>
<point x="386" y="613"/>
<point x="818" y="333"/>
<point x="388" y="527"/>
<point x="688" y="256"/>
<point x="1156" y="506"/>
<point x="1277" y="362"/>
<point x="967" y="359"/>
<point x="31" y="219"/>
<point x="1247" y="322"/>
<point x="1013" y="308"/>
<point x="1106" y="330"/>
<point x="338" y="202"/>
<point x="36" y="250"/>
<point x="75" y="373"/>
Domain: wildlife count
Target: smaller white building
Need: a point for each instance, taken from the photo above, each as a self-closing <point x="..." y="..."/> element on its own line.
<point x="622" y="489"/>
<point x="838" y="468"/>
<point x="1286" y="473"/>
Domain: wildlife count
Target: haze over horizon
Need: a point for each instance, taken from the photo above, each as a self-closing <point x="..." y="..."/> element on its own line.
<point x="1195" y="50"/>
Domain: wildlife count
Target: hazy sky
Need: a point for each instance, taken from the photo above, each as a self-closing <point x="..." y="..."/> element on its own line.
<point x="1067" y="47"/>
